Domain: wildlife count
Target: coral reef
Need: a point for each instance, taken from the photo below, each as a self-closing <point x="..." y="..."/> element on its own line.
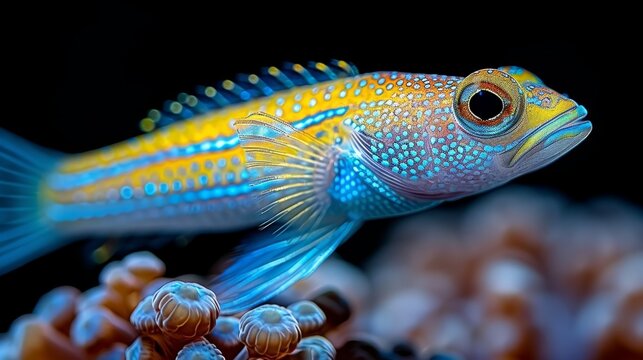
<point x="522" y="274"/>
<point x="177" y="320"/>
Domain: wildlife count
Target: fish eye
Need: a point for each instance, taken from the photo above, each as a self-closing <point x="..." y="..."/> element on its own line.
<point x="489" y="103"/>
<point x="485" y="105"/>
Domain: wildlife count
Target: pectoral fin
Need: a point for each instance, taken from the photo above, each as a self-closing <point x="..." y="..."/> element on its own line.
<point x="294" y="170"/>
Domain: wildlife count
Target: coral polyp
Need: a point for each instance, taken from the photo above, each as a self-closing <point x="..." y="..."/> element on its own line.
<point x="144" y="317"/>
<point x="309" y="316"/>
<point x="58" y="307"/>
<point x="144" y="265"/>
<point x="144" y="348"/>
<point x="225" y="336"/>
<point x="95" y="328"/>
<point x="316" y="347"/>
<point x="269" y="332"/>
<point x="200" y="349"/>
<point x="185" y="310"/>
<point x="33" y="338"/>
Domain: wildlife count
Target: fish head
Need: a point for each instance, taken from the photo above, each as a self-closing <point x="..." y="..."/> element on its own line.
<point x="525" y="124"/>
<point x="447" y="137"/>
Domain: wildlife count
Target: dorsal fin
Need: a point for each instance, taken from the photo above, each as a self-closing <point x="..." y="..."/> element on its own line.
<point x="244" y="88"/>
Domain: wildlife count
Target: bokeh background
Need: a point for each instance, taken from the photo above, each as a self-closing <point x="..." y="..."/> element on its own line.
<point x="77" y="78"/>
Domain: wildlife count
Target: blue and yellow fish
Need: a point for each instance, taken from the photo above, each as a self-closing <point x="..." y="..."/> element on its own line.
<point x="308" y="151"/>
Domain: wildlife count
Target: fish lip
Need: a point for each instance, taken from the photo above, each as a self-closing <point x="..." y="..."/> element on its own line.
<point x="569" y="124"/>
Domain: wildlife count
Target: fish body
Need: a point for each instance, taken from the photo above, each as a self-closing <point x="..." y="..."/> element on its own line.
<point x="190" y="176"/>
<point x="308" y="161"/>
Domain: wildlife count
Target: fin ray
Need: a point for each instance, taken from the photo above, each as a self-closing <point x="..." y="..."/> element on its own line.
<point x="245" y="88"/>
<point x="294" y="165"/>
<point x="24" y="234"/>
<point x="271" y="267"/>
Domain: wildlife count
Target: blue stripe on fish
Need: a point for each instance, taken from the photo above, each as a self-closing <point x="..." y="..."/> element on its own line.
<point x="66" y="182"/>
<point x="99" y="209"/>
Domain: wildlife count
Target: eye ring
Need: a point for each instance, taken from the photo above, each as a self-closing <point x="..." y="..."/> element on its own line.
<point x="498" y="113"/>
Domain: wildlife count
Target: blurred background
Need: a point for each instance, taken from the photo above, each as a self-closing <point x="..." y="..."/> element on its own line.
<point x="83" y="78"/>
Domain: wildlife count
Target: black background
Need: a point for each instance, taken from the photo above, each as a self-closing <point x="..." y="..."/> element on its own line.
<point x="77" y="78"/>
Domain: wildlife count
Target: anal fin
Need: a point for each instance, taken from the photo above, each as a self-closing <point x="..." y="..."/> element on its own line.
<point x="274" y="264"/>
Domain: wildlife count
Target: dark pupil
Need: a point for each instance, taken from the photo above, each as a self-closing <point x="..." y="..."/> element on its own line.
<point x="485" y="105"/>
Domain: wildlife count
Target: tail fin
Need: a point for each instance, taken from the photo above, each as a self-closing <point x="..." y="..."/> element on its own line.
<point x="24" y="233"/>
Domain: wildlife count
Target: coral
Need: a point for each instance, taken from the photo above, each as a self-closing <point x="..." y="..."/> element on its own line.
<point x="314" y="347"/>
<point x="185" y="310"/>
<point x="31" y="338"/>
<point x="225" y="336"/>
<point x="96" y="328"/>
<point x="334" y="306"/>
<point x="115" y="352"/>
<point x="118" y="278"/>
<point x="520" y="275"/>
<point x="144" y="318"/>
<point x="68" y="324"/>
<point x="144" y="265"/>
<point x="269" y="332"/>
<point x="144" y="348"/>
<point x="58" y="307"/>
<point x="309" y="316"/>
<point x="200" y="349"/>
<point x="506" y="279"/>
<point x="103" y="297"/>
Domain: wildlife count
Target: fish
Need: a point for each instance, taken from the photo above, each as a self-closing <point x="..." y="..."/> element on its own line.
<point x="306" y="153"/>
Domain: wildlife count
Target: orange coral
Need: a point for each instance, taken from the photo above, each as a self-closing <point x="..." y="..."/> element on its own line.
<point x="32" y="338"/>
<point x="144" y="265"/>
<point x="97" y="328"/>
<point x="58" y="307"/>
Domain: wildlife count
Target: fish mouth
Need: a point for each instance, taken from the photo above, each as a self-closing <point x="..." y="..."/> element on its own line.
<point x="553" y="139"/>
